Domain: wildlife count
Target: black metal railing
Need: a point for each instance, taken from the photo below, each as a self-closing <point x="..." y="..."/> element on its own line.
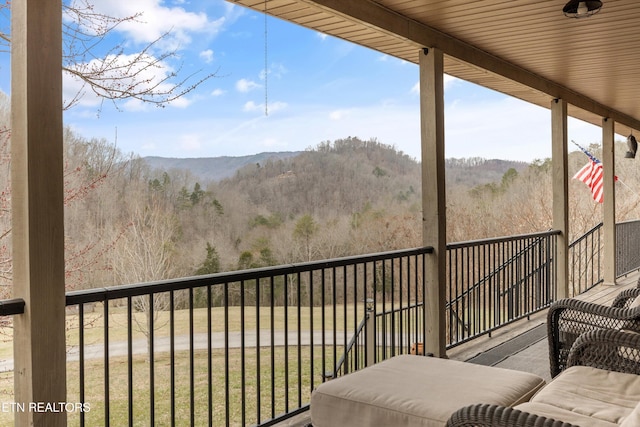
<point x="9" y="307"/>
<point x="237" y="348"/>
<point x="585" y="261"/>
<point x="247" y="348"/>
<point x="627" y="247"/>
<point x="355" y="353"/>
<point x="493" y="282"/>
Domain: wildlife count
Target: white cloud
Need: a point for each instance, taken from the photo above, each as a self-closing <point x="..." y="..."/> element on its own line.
<point x="139" y="76"/>
<point x="244" y="85"/>
<point x="275" y="70"/>
<point x="182" y="102"/>
<point x="190" y="142"/>
<point x="207" y="56"/>
<point x="272" y="107"/>
<point x="218" y="92"/>
<point x="134" y="105"/>
<point x="75" y="91"/>
<point x="154" y="19"/>
<point x="339" y="114"/>
<point x="250" y="106"/>
<point x="449" y="81"/>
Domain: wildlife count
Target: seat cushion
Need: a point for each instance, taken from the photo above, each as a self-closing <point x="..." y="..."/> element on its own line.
<point x="633" y="419"/>
<point x="587" y="396"/>
<point x="416" y="391"/>
<point x="635" y="303"/>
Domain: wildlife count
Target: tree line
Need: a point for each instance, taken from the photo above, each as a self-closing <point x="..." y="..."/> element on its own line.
<point x="127" y="223"/>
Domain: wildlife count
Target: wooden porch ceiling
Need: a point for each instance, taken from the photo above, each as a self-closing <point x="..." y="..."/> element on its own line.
<point x="525" y="48"/>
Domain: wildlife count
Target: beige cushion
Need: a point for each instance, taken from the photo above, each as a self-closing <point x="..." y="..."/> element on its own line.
<point x="416" y="391"/>
<point x="633" y="419"/>
<point x="587" y="396"/>
<point x="635" y="303"/>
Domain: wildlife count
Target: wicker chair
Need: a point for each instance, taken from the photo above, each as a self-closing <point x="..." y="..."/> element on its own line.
<point x="567" y="319"/>
<point x="609" y="350"/>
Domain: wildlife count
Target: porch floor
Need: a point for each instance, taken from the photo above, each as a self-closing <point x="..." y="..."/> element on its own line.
<point x="521" y="346"/>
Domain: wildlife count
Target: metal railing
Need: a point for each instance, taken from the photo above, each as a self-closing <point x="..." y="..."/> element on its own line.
<point x="627" y="247"/>
<point x="355" y="354"/>
<point x="237" y="348"/>
<point x="493" y="282"/>
<point x="585" y="261"/>
<point x="585" y="256"/>
<point x="247" y="348"/>
<point x="9" y="307"/>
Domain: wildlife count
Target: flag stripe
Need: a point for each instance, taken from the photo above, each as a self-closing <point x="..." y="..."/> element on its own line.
<point x="591" y="174"/>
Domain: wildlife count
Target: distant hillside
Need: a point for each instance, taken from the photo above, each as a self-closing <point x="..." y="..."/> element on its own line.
<point x="467" y="172"/>
<point x="464" y="172"/>
<point x="214" y="168"/>
<point x="473" y="171"/>
<point x="343" y="177"/>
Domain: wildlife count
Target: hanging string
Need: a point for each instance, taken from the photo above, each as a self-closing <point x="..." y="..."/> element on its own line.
<point x="266" y="62"/>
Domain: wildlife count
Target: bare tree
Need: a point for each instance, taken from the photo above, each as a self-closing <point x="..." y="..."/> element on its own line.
<point x="105" y="69"/>
<point x="144" y="254"/>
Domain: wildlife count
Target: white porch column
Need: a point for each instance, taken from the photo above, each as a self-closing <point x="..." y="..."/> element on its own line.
<point x="609" y="204"/>
<point x="433" y="196"/>
<point x="37" y="208"/>
<point x="560" y="185"/>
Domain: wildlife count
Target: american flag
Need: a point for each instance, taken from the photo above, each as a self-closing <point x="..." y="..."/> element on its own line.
<point x="591" y="174"/>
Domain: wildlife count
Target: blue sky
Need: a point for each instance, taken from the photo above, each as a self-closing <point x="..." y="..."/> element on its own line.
<point x="318" y="88"/>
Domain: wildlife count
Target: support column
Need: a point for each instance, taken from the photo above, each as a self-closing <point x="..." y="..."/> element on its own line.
<point x="560" y="155"/>
<point x="433" y="197"/>
<point x="609" y="203"/>
<point x="37" y="208"/>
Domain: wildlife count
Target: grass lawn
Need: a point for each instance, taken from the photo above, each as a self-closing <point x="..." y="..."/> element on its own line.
<point x="278" y="391"/>
<point x="273" y="378"/>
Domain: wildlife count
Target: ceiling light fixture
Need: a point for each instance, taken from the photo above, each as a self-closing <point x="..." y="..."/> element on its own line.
<point x="582" y="9"/>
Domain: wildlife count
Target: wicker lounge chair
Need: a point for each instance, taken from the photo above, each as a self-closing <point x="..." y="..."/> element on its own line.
<point x="569" y="318"/>
<point x="601" y="387"/>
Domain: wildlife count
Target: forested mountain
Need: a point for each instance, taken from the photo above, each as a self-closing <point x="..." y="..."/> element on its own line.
<point x="340" y="178"/>
<point x="472" y="171"/>
<point x="213" y="168"/>
<point x="126" y="222"/>
<point x="340" y="198"/>
<point x="464" y="171"/>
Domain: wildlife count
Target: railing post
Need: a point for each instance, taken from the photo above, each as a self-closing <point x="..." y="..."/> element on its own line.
<point x="370" y="334"/>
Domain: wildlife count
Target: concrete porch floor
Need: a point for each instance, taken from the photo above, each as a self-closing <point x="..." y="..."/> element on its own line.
<point x="520" y="346"/>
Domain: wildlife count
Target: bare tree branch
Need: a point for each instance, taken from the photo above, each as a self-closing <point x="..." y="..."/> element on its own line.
<point x="107" y="71"/>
